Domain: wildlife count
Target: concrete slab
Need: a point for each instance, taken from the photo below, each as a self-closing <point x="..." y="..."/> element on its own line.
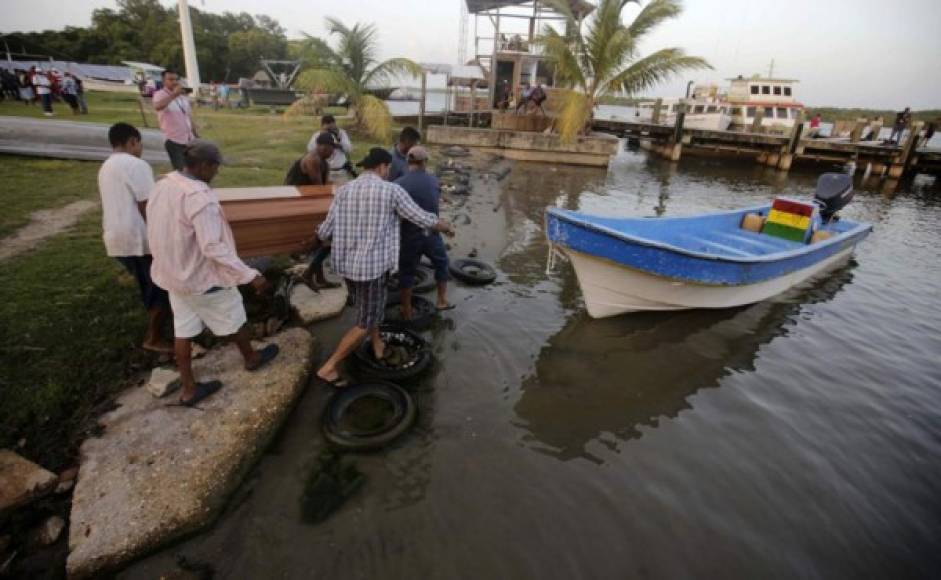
<point x="21" y="481"/>
<point x="69" y="139"/>
<point x="161" y="472"/>
<point x="312" y="306"/>
<point x="592" y="150"/>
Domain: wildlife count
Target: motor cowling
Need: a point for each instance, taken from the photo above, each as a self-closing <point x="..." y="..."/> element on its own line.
<point x="834" y="192"/>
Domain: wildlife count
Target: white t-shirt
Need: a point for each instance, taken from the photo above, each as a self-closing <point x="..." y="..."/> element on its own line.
<point x="124" y="180"/>
<point x="339" y="157"/>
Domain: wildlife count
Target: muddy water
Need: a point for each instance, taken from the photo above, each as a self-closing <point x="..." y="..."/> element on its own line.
<point x="799" y="437"/>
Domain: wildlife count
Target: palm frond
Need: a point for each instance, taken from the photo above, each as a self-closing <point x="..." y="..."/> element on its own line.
<point x="325" y="81"/>
<point x="652" y="70"/>
<point x="560" y="53"/>
<point x="574" y="115"/>
<point x="372" y="116"/>
<point x="382" y="73"/>
<point x="357" y="47"/>
<point x="652" y="15"/>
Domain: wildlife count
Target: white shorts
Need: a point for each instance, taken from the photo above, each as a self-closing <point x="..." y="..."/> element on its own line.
<point x="221" y="311"/>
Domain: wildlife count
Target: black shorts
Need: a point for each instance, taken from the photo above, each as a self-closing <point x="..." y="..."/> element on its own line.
<point x="175" y="153"/>
<point x="369" y="297"/>
<point x="152" y="295"/>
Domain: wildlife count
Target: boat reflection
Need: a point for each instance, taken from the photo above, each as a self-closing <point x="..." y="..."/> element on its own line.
<point x="598" y="378"/>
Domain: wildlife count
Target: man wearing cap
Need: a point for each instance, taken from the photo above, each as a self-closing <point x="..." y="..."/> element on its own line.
<point x="194" y="259"/>
<point x="363" y="225"/>
<point x="417" y="242"/>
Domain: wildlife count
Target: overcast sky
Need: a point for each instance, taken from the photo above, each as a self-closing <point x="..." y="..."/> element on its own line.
<point x="867" y="53"/>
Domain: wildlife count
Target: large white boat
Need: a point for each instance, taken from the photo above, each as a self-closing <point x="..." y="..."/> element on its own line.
<point x="704" y="110"/>
<point x="775" y="96"/>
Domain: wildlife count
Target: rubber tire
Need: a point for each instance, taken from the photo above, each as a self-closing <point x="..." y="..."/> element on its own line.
<point x="424" y="281"/>
<point x="423" y="313"/>
<point x="366" y="367"/>
<point x="485" y="273"/>
<point x="376" y="440"/>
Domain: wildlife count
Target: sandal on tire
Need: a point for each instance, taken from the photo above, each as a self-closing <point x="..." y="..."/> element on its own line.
<point x="203" y="390"/>
<point x="265" y="356"/>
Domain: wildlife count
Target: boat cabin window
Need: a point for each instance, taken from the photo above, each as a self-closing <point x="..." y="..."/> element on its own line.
<point x="794" y="113"/>
<point x="698" y="109"/>
<point x="765" y="89"/>
<point x="777" y="90"/>
<point x="754" y="89"/>
<point x="735" y="111"/>
<point x="782" y="113"/>
<point x="751" y="112"/>
<point x="711" y="109"/>
<point x="787" y="91"/>
<point x="672" y="108"/>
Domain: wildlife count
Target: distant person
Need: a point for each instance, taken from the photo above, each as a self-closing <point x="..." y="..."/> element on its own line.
<point x="43" y="89"/>
<point x="80" y="95"/>
<point x="814" y="126"/>
<point x="27" y="95"/>
<point x="124" y="183"/>
<point x="9" y="88"/>
<point x="525" y="93"/>
<point x="538" y="97"/>
<point x="408" y="138"/>
<point x="224" y="95"/>
<point x="340" y="160"/>
<point x="363" y="226"/>
<point x="929" y="132"/>
<point x="196" y="262"/>
<point x="214" y="95"/>
<point x="175" y="117"/>
<point x="425" y="191"/>
<point x="902" y="120"/>
<point x="70" y="92"/>
<point x="504" y="96"/>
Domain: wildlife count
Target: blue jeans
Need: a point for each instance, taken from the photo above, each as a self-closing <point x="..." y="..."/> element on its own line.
<point x="410" y="254"/>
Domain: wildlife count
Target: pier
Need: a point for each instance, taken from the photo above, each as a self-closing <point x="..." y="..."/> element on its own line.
<point x="780" y="151"/>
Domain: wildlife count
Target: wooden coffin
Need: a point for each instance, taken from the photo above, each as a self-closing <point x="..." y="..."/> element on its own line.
<point x="274" y="220"/>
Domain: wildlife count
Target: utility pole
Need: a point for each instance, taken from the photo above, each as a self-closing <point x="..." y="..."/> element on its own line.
<point x="189" y="46"/>
<point x="7" y="46"/>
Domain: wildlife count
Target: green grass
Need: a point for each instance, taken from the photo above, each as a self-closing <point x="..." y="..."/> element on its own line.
<point x="70" y="318"/>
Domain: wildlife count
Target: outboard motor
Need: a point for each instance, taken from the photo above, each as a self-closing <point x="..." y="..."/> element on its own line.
<point x="834" y="192"/>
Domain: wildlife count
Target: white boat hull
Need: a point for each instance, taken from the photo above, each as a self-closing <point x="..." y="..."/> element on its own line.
<point x="611" y="289"/>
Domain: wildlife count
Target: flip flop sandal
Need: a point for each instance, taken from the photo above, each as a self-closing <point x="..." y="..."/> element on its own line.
<point x="203" y="390"/>
<point x="337" y="383"/>
<point x="444" y="308"/>
<point x="265" y="356"/>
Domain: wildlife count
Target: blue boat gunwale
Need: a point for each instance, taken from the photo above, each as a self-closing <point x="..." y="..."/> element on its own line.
<point x="575" y="219"/>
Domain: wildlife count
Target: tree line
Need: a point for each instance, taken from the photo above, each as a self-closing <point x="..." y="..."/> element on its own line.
<point x="228" y="45"/>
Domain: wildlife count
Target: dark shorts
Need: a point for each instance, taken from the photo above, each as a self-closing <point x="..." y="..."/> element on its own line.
<point x="175" y="151"/>
<point x="369" y="298"/>
<point x="152" y="295"/>
<point x="410" y="254"/>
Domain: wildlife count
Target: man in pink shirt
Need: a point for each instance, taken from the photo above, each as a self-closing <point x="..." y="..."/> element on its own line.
<point x="175" y="116"/>
<point x="194" y="260"/>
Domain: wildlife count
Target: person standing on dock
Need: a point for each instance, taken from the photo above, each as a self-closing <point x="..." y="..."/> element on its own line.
<point x="814" y="126"/>
<point x="408" y="138"/>
<point x="901" y="123"/>
<point x="175" y="117"/>
<point x="424" y="190"/>
<point x="363" y="226"/>
<point x="195" y="261"/>
<point x="124" y="182"/>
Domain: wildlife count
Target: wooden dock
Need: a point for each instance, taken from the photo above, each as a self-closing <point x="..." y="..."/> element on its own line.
<point x="781" y="150"/>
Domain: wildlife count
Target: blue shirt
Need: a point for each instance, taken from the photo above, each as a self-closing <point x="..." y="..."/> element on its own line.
<point x="399" y="164"/>
<point x="425" y="191"/>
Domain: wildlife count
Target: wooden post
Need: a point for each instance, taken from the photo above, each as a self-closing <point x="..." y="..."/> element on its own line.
<point x="140" y="104"/>
<point x="876" y="129"/>
<point x="857" y="131"/>
<point x="421" y="104"/>
<point x="447" y="98"/>
<point x="473" y="103"/>
<point x="676" y="147"/>
<point x="759" y="116"/>
<point x="787" y="156"/>
<point x="904" y="158"/>
<point x="655" y="119"/>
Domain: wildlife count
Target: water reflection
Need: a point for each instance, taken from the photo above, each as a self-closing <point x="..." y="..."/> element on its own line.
<point x="602" y="381"/>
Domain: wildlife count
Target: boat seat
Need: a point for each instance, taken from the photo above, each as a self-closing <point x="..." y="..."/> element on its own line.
<point x="762" y="243"/>
<point x="709" y="246"/>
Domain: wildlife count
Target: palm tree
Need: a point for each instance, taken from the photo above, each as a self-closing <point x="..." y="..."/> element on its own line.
<point x="352" y="70"/>
<point x="603" y="59"/>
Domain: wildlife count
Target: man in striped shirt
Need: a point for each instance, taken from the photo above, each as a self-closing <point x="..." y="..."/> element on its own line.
<point x="363" y="224"/>
<point x="194" y="260"/>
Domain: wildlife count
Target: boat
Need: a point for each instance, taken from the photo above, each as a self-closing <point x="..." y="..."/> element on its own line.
<point x="701" y="113"/>
<point x="718" y="260"/>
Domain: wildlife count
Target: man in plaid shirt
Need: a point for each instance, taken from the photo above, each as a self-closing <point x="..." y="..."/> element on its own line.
<point x="363" y="224"/>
